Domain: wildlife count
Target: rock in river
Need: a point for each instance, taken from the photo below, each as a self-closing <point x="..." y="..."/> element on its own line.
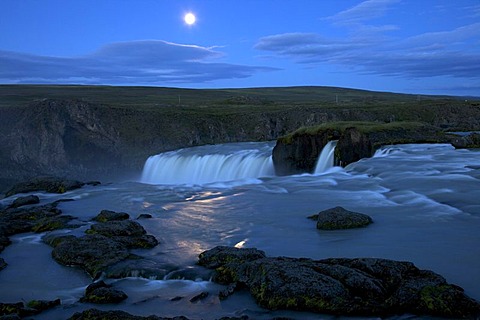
<point x="340" y="218"/>
<point x="354" y="287"/>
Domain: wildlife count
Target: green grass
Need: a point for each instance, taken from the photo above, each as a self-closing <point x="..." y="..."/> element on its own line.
<point x="154" y="97"/>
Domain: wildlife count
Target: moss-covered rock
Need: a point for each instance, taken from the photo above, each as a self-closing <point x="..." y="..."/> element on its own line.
<point x="102" y="293"/>
<point x="91" y="252"/>
<point x="23" y="201"/>
<point x="354" y="287"/>
<point x="340" y="218"/>
<point x="47" y="184"/>
<point x="107" y="215"/>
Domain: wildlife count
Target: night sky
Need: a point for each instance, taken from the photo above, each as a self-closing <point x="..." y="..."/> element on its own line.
<point x="411" y="46"/>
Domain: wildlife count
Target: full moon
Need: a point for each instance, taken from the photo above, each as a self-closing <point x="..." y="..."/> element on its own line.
<point x="189" y="18"/>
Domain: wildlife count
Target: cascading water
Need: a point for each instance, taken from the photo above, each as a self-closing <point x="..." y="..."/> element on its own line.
<point x="202" y="165"/>
<point x="325" y="160"/>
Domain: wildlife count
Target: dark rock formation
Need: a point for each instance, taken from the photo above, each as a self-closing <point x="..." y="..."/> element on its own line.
<point x="3" y="264"/>
<point x="105" y="245"/>
<point x="340" y="218"/>
<point x="4" y="241"/>
<point x="33" y="307"/>
<point x="355" y="287"/>
<point x="95" y="314"/>
<point x="144" y="216"/>
<point x="466" y="141"/>
<point x="47" y="184"/>
<point x="298" y="152"/>
<point x="93" y="253"/>
<point x="37" y="219"/>
<point x="127" y="232"/>
<point x="107" y="215"/>
<point x="23" y="201"/>
<point x="102" y="293"/>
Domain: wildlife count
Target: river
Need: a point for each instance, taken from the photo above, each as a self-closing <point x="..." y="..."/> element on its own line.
<point x="424" y="200"/>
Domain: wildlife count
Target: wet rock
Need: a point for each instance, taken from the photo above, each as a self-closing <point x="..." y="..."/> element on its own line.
<point x="93" y="253"/>
<point x="145" y="216"/>
<point x="102" y="293"/>
<point x="42" y="305"/>
<point x="107" y="215"/>
<point x="354" y="287"/>
<point x="127" y="232"/>
<point x="105" y="245"/>
<point x="33" y="307"/>
<point x="3" y="264"/>
<point x="47" y="184"/>
<point x="94" y="314"/>
<point x="23" y="201"/>
<point x="198" y="297"/>
<point x="340" y="218"/>
<point x="222" y="255"/>
<point x="34" y="219"/>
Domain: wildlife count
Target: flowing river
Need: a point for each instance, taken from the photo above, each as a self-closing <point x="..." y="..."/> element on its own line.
<point x="424" y="200"/>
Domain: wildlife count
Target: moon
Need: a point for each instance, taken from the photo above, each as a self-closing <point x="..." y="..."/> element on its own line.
<point x="190" y="18"/>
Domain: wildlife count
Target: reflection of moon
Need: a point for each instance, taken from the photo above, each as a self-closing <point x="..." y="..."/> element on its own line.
<point x="189" y="18"/>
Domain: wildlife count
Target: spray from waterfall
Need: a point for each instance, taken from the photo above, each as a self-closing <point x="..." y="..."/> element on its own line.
<point x="326" y="158"/>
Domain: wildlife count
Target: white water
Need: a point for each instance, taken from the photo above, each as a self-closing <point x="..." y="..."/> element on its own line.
<point x="423" y="199"/>
<point x="208" y="164"/>
<point x="325" y="160"/>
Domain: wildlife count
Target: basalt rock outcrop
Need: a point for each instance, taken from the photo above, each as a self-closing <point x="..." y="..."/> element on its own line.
<point x="104" y="245"/>
<point x="299" y="151"/>
<point x="354" y="287"/>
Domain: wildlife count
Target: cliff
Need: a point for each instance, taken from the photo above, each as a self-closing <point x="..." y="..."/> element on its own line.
<point x="298" y="152"/>
<point x="106" y="133"/>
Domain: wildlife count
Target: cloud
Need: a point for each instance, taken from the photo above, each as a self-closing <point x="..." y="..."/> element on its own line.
<point x="362" y="12"/>
<point x="147" y="62"/>
<point x="448" y="53"/>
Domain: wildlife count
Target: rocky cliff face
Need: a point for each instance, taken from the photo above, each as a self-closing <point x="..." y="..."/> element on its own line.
<point x="299" y="151"/>
<point x="86" y="140"/>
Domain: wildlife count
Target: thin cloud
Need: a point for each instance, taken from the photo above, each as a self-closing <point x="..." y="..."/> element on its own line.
<point x="137" y="62"/>
<point x="362" y="12"/>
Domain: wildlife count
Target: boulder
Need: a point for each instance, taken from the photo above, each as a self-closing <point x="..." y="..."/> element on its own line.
<point x="340" y="218"/>
<point x="33" y="307"/>
<point x="105" y="245"/>
<point x="102" y="293"/>
<point x="107" y="215"/>
<point x="23" y="201"/>
<point x="127" y="232"/>
<point x="93" y="253"/>
<point x="353" y="287"/>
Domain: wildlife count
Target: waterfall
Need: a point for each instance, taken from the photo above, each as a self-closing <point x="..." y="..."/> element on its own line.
<point x="207" y="164"/>
<point x="325" y="160"/>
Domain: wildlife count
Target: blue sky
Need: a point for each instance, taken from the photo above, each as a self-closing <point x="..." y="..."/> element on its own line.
<point x="411" y="46"/>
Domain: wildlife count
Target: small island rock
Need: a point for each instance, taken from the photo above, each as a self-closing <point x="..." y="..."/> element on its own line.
<point x="340" y="218"/>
